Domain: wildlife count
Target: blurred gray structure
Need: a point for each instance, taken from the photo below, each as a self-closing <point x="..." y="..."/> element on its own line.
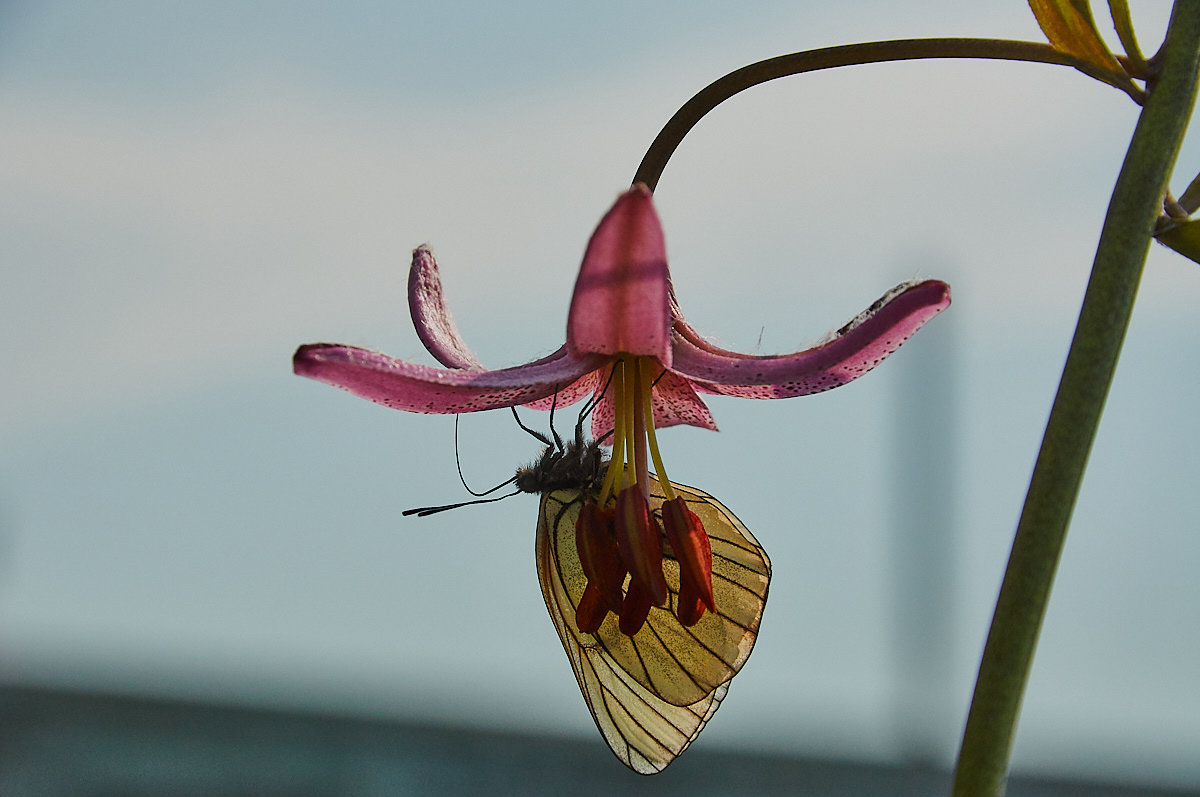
<point x="924" y="489"/>
<point x="60" y="744"/>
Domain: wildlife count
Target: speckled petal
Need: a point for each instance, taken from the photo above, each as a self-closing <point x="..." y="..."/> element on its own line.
<point x="431" y="317"/>
<point x="675" y="402"/>
<point x="603" y="418"/>
<point x="621" y="299"/>
<point x="566" y="396"/>
<point x="420" y="388"/>
<point x="851" y="351"/>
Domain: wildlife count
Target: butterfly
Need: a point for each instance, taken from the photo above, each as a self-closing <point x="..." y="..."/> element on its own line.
<point x="651" y="694"/>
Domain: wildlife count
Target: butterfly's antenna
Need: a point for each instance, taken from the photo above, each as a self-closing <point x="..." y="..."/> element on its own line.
<point x="553" y="405"/>
<point x="545" y="440"/>
<point x="423" y="511"/>
<point x="426" y="511"/>
<point x="458" y="463"/>
<point x="583" y="414"/>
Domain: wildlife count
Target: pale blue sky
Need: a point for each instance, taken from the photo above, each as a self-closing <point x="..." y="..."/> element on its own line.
<point x="191" y="191"/>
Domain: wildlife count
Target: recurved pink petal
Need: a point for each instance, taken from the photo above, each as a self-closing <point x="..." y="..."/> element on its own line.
<point x="420" y="388"/>
<point x="431" y="317"/>
<point x="852" y="351"/>
<point x="621" y="299"/>
<point x="569" y="394"/>
<point x="676" y="402"/>
<point x="683" y="329"/>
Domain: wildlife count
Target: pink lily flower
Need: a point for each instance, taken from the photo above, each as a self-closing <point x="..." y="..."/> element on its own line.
<point x="622" y="311"/>
<point x="629" y="347"/>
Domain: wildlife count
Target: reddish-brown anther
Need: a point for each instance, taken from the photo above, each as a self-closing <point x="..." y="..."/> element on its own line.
<point x="692" y="549"/>
<point x="639" y="538"/>
<point x="691" y="605"/>
<point x="592" y="609"/>
<point x="634" y="610"/>
<point x="599" y="555"/>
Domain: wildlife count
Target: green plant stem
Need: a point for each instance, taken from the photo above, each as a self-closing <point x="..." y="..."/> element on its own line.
<point x="723" y="88"/>
<point x="1107" y="305"/>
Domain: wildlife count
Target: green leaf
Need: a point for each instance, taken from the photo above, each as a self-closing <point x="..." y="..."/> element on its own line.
<point x="1069" y="26"/>
<point x="1183" y="238"/>
<point x="1119" y="9"/>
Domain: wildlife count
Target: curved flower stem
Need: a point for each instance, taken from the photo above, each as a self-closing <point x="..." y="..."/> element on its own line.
<point x="715" y="93"/>
<point x="1091" y="361"/>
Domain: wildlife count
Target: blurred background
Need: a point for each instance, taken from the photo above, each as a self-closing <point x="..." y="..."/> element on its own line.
<point x="193" y="538"/>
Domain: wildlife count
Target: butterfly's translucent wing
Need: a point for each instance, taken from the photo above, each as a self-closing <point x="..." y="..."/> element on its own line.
<point x="651" y="694"/>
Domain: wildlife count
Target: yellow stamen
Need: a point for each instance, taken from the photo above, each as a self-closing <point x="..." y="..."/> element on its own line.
<point x="648" y="402"/>
<point x="628" y="410"/>
<point x="616" y="465"/>
<point x="633" y="429"/>
<point x="639" y="409"/>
